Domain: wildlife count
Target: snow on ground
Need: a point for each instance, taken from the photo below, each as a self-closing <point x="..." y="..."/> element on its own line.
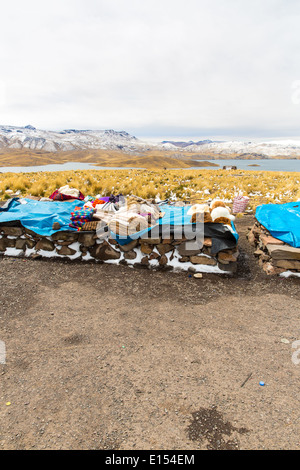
<point x="287" y="274"/>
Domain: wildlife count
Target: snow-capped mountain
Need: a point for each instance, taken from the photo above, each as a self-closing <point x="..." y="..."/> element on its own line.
<point x="29" y="137"/>
<point x="283" y="148"/>
<point x="183" y="144"/>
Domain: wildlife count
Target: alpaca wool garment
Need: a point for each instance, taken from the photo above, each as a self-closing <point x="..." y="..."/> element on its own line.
<point x="221" y="212"/>
<point x="127" y="223"/>
<point x="240" y="204"/>
<point x="80" y="216"/>
<point x="66" y="193"/>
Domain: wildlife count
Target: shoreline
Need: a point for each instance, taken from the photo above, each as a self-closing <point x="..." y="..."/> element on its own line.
<point x="284" y="165"/>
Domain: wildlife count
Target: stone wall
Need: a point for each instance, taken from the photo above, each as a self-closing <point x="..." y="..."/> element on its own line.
<point x="274" y="256"/>
<point x="155" y="253"/>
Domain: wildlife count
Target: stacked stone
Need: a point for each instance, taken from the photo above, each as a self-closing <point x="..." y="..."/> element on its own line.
<point x="275" y="256"/>
<point x="88" y="245"/>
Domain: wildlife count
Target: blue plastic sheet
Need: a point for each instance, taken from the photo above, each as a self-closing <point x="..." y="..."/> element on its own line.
<point x="282" y="221"/>
<point x="39" y="216"/>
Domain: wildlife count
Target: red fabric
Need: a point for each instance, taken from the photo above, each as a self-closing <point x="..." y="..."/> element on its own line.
<point x="57" y="196"/>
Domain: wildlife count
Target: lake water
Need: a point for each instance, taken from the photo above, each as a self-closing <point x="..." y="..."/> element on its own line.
<point x="70" y="166"/>
<point x="264" y="165"/>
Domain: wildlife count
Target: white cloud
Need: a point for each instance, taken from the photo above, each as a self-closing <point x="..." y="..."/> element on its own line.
<point x="164" y="64"/>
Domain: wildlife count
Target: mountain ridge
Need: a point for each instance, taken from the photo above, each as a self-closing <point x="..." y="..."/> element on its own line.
<point x="28" y="137"/>
<point x="31" y="138"/>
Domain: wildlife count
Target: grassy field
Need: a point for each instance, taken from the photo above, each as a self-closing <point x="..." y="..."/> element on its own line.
<point x="192" y="185"/>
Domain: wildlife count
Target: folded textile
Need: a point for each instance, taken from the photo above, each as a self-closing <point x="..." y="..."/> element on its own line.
<point x="94" y="203"/>
<point x="141" y="206"/>
<point x="66" y="193"/>
<point x="116" y="199"/>
<point x="80" y="216"/>
<point x="105" y="211"/>
<point x="127" y="223"/>
<point x="127" y="216"/>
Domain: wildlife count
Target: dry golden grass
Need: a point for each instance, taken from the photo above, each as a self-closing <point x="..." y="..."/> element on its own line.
<point x="191" y="185"/>
<point x="105" y="158"/>
<point x="153" y="159"/>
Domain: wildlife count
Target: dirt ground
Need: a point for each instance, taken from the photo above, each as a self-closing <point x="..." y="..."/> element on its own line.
<point x="108" y="357"/>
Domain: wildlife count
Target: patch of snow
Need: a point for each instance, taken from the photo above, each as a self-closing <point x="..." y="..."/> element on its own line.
<point x="87" y="257"/>
<point x="199" y="268"/>
<point x="287" y="274"/>
<point x="13" y="252"/>
<point x="48" y="254"/>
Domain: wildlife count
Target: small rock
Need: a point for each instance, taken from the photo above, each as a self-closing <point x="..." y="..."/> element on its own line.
<point x="225" y="257"/>
<point x="56" y="226"/>
<point x="45" y="245"/>
<point x="151" y="241"/>
<point x="129" y="246"/>
<point x="30" y="243"/>
<point x="146" y="248"/>
<point x="163" y="249"/>
<point x="65" y="236"/>
<point x="163" y="260"/>
<point x="130" y="255"/>
<point x="192" y="270"/>
<point x="66" y="251"/>
<point x="21" y="244"/>
<point x="35" y="256"/>
<point x="203" y="260"/>
<point x="104" y="252"/>
<point x="86" y="239"/>
<point x="13" y="231"/>
<point x="6" y="243"/>
<point x="167" y="241"/>
<point x="189" y="248"/>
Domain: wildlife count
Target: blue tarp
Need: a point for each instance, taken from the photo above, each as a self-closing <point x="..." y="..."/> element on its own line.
<point x="39" y="216"/>
<point x="282" y="221"/>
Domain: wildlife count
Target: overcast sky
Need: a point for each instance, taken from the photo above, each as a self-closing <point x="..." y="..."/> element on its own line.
<point x="163" y="67"/>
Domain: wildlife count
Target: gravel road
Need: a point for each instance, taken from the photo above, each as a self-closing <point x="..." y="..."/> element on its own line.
<point x="108" y="357"/>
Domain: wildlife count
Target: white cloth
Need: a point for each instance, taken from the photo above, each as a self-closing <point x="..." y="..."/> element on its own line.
<point x="69" y="191"/>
